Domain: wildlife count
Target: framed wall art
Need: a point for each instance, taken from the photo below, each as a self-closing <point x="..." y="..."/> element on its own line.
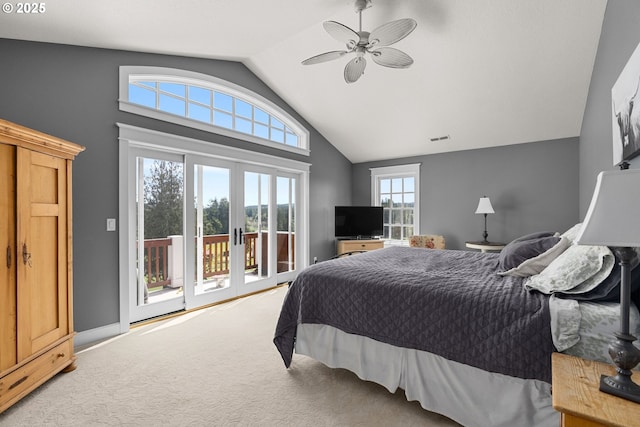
<point x="625" y="106"/>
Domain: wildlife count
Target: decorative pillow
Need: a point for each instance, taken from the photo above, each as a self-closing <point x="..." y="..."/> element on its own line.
<point x="430" y="241"/>
<point x="578" y="269"/>
<point x="529" y="255"/>
<point x="521" y="250"/>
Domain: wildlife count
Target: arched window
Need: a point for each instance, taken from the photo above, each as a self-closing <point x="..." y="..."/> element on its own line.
<point x="208" y="103"/>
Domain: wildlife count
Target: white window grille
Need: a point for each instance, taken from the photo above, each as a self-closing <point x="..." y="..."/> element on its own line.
<point x="208" y="103"/>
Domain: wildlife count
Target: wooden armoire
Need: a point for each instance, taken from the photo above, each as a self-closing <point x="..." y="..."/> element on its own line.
<point x="36" y="307"/>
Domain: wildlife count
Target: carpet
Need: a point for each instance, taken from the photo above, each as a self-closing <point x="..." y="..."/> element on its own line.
<point x="211" y="367"/>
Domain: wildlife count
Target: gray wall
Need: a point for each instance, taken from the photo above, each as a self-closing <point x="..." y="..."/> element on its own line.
<point x="72" y="92"/>
<point x="619" y="38"/>
<point x="532" y="187"/>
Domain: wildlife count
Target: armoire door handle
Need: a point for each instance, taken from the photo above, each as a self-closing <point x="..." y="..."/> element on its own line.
<point x="8" y="256"/>
<point x="26" y="256"/>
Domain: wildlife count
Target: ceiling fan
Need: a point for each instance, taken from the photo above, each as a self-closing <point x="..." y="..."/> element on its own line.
<point x="374" y="43"/>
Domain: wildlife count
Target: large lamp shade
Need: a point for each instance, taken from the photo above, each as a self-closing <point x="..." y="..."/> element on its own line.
<point x="614" y="213"/>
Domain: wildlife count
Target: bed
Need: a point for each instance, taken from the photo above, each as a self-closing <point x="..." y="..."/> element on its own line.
<point x="468" y="335"/>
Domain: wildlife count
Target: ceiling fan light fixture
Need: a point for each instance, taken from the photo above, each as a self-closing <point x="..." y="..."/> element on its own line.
<point x="362" y="42"/>
<point x="361" y="5"/>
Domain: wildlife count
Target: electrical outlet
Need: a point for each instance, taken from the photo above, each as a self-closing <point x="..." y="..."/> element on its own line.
<point x="315" y="259"/>
<point x="111" y="224"/>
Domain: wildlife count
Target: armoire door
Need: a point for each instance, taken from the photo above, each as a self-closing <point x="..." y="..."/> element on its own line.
<point x="42" y="251"/>
<point x="8" y="252"/>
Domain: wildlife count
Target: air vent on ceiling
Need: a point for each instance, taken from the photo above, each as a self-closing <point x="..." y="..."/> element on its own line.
<point x="440" y="138"/>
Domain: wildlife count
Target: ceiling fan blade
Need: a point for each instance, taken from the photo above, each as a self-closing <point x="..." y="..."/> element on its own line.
<point x="341" y="33"/>
<point x="391" y="32"/>
<point x="390" y="57"/>
<point x="354" y="69"/>
<point x="324" y="57"/>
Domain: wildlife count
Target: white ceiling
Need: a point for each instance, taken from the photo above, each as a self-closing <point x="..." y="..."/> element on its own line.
<point x="486" y="72"/>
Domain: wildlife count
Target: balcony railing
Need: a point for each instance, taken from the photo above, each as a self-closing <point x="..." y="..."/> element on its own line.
<point x="215" y="256"/>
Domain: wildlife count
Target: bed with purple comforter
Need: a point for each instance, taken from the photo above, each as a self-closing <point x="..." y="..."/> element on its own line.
<point x="448" y="303"/>
<point x="461" y="332"/>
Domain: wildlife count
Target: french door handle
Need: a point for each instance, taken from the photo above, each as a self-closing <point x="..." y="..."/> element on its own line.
<point x="241" y="238"/>
<point x="235" y="236"/>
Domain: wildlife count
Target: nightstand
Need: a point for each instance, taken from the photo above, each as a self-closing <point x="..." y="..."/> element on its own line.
<point x="577" y="397"/>
<point x="485" y="246"/>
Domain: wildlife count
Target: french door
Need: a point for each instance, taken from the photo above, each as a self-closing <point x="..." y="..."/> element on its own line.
<point x="207" y="230"/>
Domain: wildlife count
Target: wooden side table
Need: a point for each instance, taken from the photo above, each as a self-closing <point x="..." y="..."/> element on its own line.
<point x="485" y="246"/>
<point x="576" y="394"/>
<point x="344" y="246"/>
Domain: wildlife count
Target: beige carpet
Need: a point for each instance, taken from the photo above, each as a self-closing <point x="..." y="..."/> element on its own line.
<point x="212" y="367"/>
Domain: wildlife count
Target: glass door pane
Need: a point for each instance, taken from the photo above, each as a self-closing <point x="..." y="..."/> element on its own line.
<point x="212" y="237"/>
<point x="286" y="220"/>
<point x="159" y="238"/>
<point x="256" y="232"/>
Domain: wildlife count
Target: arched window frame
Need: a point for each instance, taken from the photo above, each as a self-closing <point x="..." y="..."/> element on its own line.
<point x="129" y="74"/>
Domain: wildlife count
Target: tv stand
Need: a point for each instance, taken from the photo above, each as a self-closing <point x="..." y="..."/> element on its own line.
<point x="351" y="245"/>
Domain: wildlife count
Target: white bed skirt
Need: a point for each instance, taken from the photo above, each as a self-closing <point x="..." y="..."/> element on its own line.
<point x="467" y="395"/>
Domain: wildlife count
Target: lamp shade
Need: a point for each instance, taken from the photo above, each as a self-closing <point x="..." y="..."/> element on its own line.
<point x="612" y="218"/>
<point x="484" y="206"/>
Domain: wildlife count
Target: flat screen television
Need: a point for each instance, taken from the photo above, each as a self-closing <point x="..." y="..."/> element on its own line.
<point x="358" y="221"/>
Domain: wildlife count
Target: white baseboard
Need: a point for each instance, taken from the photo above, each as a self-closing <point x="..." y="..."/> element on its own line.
<point x="96" y="334"/>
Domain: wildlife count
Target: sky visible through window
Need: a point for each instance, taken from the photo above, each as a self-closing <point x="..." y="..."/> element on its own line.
<point x="212" y="107"/>
<point x="216" y="185"/>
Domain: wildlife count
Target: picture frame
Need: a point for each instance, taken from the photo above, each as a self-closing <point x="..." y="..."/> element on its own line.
<point x="625" y="119"/>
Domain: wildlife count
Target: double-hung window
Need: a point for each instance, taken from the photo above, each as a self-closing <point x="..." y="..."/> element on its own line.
<point x="396" y="189"/>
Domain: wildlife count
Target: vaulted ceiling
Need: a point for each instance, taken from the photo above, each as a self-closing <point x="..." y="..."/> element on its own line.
<point x="485" y="73"/>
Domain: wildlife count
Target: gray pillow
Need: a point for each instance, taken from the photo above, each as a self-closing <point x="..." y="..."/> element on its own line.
<point x="529" y="255"/>
<point x="516" y="252"/>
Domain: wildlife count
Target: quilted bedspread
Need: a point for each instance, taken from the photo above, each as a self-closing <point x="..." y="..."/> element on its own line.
<point x="450" y="303"/>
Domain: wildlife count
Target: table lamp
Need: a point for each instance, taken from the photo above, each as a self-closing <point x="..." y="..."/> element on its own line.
<point x="612" y="220"/>
<point x="484" y="207"/>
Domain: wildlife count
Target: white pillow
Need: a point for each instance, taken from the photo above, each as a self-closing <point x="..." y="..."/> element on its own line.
<point x="578" y="269"/>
